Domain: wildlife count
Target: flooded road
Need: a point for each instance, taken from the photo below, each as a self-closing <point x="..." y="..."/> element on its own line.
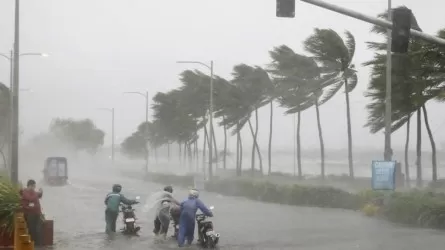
<point x="78" y="213"/>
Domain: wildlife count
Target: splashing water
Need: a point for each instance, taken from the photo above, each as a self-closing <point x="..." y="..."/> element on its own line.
<point x="153" y="200"/>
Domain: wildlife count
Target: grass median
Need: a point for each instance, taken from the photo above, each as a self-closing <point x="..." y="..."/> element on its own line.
<point x="420" y="208"/>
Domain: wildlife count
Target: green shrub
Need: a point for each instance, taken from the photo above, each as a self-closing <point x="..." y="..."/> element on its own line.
<point x="416" y="208"/>
<point x="9" y="204"/>
<point x="286" y="194"/>
<point x="439" y="184"/>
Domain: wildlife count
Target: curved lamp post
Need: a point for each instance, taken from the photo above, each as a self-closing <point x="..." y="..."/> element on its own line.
<point x="210" y="67"/>
<point x="13" y="136"/>
<point x="145" y="95"/>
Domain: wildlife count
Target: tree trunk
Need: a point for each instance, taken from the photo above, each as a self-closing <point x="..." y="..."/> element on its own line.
<point x="407" y="178"/>
<point x="185" y="153"/>
<point x="320" y="136"/>
<point x="252" y="160"/>
<point x="156" y="154"/>
<point x="260" y="157"/>
<point x="146" y="158"/>
<point x="214" y="146"/>
<point x="300" y="170"/>
<point x="196" y="152"/>
<point x="180" y="153"/>
<point x="348" y="121"/>
<point x="238" y="154"/>
<point x="294" y="139"/>
<point x="225" y="143"/>
<point x="189" y="150"/>
<point x="4" y="159"/>
<point x="419" y="149"/>
<point x="269" y="150"/>
<point x="433" y="144"/>
<point x="204" y="150"/>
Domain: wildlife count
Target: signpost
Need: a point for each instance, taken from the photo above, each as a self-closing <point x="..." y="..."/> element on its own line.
<point x="384" y="178"/>
<point x="383" y="175"/>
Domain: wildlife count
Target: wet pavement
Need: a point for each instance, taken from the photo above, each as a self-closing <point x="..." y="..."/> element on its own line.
<point x="78" y="213"/>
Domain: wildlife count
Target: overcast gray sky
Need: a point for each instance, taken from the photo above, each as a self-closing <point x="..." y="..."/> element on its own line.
<point x="101" y="48"/>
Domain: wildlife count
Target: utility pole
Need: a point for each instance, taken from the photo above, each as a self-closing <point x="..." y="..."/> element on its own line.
<point x="145" y="95"/>
<point x="211" y="123"/>
<point x="11" y="110"/>
<point x="112" y="136"/>
<point x="147" y="156"/>
<point x="210" y="67"/>
<point x="15" y="99"/>
<point x="387" y="155"/>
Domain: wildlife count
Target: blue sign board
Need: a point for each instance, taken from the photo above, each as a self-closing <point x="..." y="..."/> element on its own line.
<point x="383" y="175"/>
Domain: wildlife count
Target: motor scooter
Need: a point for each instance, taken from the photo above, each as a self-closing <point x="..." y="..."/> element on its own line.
<point x="207" y="237"/>
<point x="129" y="219"/>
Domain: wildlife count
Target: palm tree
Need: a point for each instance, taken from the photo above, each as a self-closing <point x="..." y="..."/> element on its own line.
<point x="254" y="81"/>
<point x="335" y="55"/>
<point x="221" y="99"/>
<point x="176" y="116"/>
<point x="232" y="105"/>
<point x="299" y="86"/>
<point x="134" y="145"/>
<point x="416" y="80"/>
<point x="4" y="118"/>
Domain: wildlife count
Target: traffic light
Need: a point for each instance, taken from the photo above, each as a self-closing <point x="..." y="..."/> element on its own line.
<point x="285" y="8"/>
<point x="401" y="29"/>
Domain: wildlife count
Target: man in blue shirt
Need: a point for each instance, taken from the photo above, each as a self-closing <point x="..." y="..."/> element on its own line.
<point x="189" y="208"/>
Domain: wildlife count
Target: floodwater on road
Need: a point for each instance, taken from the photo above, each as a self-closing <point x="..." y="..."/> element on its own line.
<point x="78" y="213"/>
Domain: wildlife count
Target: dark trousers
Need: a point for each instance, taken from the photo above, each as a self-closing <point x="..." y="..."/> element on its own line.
<point x="157" y="224"/>
<point x="161" y="223"/>
<point x="110" y="220"/>
<point x="34" y="224"/>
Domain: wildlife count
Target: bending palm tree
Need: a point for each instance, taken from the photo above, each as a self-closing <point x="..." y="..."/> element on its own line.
<point x="335" y="56"/>
<point x="416" y="79"/>
<point x="299" y="86"/>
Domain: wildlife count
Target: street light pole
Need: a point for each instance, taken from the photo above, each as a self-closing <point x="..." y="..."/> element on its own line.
<point x="211" y="122"/>
<point x="210" y="111"/>
<point x="388" y="119"/>
<point x="11" y="60"/>
<point x="145" y="95"/>
<point x="113" y="136"/>
<point x="15" y="99"/>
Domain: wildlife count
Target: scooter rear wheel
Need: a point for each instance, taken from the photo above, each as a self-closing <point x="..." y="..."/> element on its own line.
<point x="129" y="227"/>
<point x="210" y="243"/>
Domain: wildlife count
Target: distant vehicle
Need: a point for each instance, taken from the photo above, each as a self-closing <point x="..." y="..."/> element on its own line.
<point x="55" y="171"/>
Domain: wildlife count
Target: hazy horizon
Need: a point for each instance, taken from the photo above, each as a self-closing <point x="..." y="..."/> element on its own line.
<point x="133" y="46"/>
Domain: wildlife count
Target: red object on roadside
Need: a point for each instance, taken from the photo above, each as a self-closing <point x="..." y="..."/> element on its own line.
<point x="6" y="239"/>
<point x="48" y="232"/>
